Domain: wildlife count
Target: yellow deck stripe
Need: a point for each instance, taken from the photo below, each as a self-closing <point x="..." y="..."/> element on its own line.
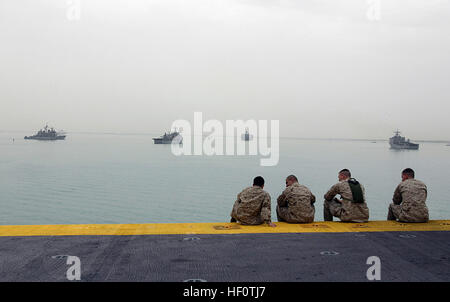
<point x="217" y="228"/>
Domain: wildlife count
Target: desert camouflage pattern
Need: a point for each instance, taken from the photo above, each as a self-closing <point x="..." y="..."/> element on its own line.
<point x="252" y="206"/>
<point x="347" y="210"/>
<point x="409" y="201"/>
<point x="296" y="204"/>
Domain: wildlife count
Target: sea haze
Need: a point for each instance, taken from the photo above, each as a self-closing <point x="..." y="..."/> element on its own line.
<point x="101" y="178"/>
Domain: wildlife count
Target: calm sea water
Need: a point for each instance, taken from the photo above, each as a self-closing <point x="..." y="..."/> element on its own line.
<point x="127" y="179"/>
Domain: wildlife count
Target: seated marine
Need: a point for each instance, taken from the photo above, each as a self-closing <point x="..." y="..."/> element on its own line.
<point x="409" y="200"/>
<point x="252" y="206"/>
<point x="296" y="203"/>
<point x="352" y="206"/>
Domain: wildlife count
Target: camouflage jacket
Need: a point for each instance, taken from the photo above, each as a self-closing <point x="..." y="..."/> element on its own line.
<point x="298" y="202"/>
<point x="252" y="206"/>
<point x="411" y="195"/>
<point x="350" y="211"/>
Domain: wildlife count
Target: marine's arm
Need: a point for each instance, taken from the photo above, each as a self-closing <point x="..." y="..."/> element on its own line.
<point x="266" y="211"/>
<point x="281" y="200"/>
<point x="426" y="191"/>
<point x="238" y="200"/>
<point x="397" y="198"/>
<point x="313" y="199"/>
<point x="334" y="190"/>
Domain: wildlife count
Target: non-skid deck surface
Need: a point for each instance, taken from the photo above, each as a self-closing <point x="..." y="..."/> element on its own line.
<point x="330" y="251"/>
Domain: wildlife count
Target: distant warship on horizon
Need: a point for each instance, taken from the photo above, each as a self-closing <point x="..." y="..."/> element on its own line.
<point x="400" y="142"/>
<point x="47" y="134"/>
<point x="169" y="138"/>
<point x="246" y="136"/>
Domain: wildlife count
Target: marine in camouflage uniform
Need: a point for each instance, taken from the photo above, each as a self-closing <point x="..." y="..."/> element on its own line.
<point x="409" y="200"/>
<point x="252" y="206"/>
<point x="296" y="203"/>
<point x="347" y="208"/>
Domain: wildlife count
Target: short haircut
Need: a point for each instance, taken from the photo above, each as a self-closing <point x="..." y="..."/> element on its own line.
<point x="292" y="177"/>
<point x="258" y="181"/>
<point x="409" y="172"/>
<point x="345" y="172"/>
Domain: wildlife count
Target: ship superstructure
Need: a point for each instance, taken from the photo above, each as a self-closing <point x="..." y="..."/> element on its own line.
<point x="400" y="142"/>
<point x="169" y="138"/>
<point x="47" y="134"/>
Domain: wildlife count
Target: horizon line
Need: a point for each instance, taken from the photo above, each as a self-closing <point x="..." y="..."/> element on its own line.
<point x="206" y="135"/>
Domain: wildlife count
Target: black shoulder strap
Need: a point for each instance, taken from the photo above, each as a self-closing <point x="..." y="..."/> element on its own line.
<point x="357" y="193"/>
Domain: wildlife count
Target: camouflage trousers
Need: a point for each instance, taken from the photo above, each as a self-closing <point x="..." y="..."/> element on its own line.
<point x="331" y="208"/>
<point x="394" y="211"/>
<point x="283" y="215"/>
<point x="246" y="220"/>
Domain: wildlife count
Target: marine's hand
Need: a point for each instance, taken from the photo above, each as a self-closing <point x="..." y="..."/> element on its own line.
<point x="273" y="225"/>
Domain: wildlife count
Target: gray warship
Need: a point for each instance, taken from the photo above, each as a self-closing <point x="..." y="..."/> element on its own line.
<point x="169" y="138"/>
<point x="47" y="134"/>
<point x="400" y="142"/>
<point x="246" y="136"/>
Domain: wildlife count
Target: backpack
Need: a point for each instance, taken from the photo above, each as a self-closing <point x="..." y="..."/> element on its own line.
<point x="357" y="193"/>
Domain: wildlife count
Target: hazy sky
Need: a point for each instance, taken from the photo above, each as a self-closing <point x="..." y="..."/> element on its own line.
<point x="323" y="68"/>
